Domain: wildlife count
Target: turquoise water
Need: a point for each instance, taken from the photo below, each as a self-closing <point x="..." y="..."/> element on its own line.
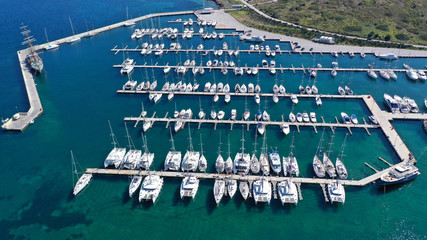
<point x="78" y="95"/>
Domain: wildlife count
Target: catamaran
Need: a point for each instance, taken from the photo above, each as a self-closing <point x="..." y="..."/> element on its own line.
<point x="147" y="158"/>
<point x="83" y="180"/>
<point x="189" y="187"/>
<point x="115" y="157"/>
<point x="242" y="159"/>
<point x="132" y="157"/>
<point x="191" y="158"/>
<point x="262" y="190"/>
<point x="173" y="158"/>
<point x="150" y="188"/>
<point x="288" y="192"/>
<point x="336" y="192"/>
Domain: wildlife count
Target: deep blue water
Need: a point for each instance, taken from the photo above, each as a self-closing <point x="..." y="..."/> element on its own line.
<point x="78" y="95"/>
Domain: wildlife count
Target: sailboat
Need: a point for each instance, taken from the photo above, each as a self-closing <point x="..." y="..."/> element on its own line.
<point x="147" y="158"/>
<point x="242" y="159"/>
<point x="134" y="184"/>
<point x="341" y="169"/>
<point x="219" y="190"/>
<point x="292" y="167"/>
<point x="191" y="158"/>
<point x="263" y="159"/>
<point x="115" y="157"/>
<point x="329" y="166"/>
<point x="275" y="161"/>
<point x="173" y="158"/>
<point x="231" y="187"/>
<point x="128" y="23"/>
<point x="255" y="166"/>
<point x="73" y="38"/>
<point x="83" y="180"/>
<point x="228" y="163"/>
<point x="318" y="167"/>
<point x="244" y="189"/>
<point x="219" y="164"/>
<point x="203" y="164"/>
<point x="247" y="114"/>
<point x="50" y="45"/>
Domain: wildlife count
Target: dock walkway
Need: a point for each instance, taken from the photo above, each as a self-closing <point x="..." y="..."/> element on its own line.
<point x="36" y="108"/>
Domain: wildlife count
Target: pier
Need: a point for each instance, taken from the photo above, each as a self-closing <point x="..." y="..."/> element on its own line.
<point x="250" y="178"/>
<point x="36" y="109"/>
<point x="175" y="67"/>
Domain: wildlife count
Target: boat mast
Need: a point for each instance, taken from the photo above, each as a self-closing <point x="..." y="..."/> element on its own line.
<point x="171" y="140"/>
<point x="219" y="145"/>
<point x="144" y="142"/>
<point x="28" y="40"/>
<point x="228" y="145"/>
<point x="130" y="142"/>
<point x="200" y="105"/>
<point x="319" y="147"/>
<point x="255" y="142"/>
<point x="74" y="168"/>
<point x="45" y="32"/>
<point x="189" y="137"/>
<point x="243" y="141"/>
<point x="115" y="143"/>
<point x="264" y="144"/>
<point x="71" y="23"/>
<point x="343" y="146"/>
<point x="291" y="154"/>
<point x="328" y="149"/>
<point x="201" y="144"/>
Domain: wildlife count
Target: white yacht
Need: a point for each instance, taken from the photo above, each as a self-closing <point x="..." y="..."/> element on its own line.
<point x="391" y="103"/>
<point x="294" y="99"/>
<point x="189" y="187"/>
<point x="384" y="74"/>
<point x="372" y="74"/>
<point x="412" y="104"/>
<point x="262" y="190"/>
<point x="231" y="187"/>
<point x="341" y="90"/>
<point x="412" y="74"/>
<point x="134" y="184"/>
<point x="263" y="159"/>
<point x="191" y="158"/>
<point x="275" y="162"/>
<point x="150" y="188"/>
<point x="336" y="192"/>
<point x="345" y="118"/>
<point x="421" y="75"/>
<point x="305" y="117"/>
<point x="285" y="128"/>
<point x="115" y="157"/>
<point x="388" y="56"/>
<point x="348" y="90"/>
<point x="219" y="190"/>
<point x="261" y="128"/>
<point x="318" y="101"/>
<point x="288" y="192"/>
<point x="292" y="117"/>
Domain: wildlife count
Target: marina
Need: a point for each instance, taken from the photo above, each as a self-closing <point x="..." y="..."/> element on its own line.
<point x="250" y="174"/>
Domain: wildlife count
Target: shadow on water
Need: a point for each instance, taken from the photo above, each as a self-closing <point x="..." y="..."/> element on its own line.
<point x="210" y="203"/>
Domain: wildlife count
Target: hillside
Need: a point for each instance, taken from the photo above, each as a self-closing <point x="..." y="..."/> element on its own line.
<point x="391" y="20"/>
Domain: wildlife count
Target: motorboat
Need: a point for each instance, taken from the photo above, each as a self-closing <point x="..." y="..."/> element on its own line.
<point x="262" y="190"/>
<point x="348" y="90"/>
<point x="189" y="187"/>
<point x="336" y="192"/>
<point x="388" y="56"/>
<point x="392" y="104"/>
<point x="421" y="75"/>
<point x="301" y="89"/>
<point x="213" y="114"/>
<point x="313" y="117"/>
<point x="305" y="117"/>
<point x="412" y="104"/>
<point x="265" y="116"/>
<point x="341" y="90"/>
<point x="275" y="98"/>
<point x="285" y="128"/>
<point x="294" y="99"/>
<point x="412" y="74"/>
<point x="401" y="173"/>
<point x="299" y="117"/>
<point x="257" y="99"/>
<point x="287" y="192"/>
<point x="275" y="162"/>
<point x="345" y="118"/>
<point x="218" y="190"/>
<point x="373" y="119"/>
<point x="220" y="115"/>
<point x="384" y="74"/>
<point x="354" y="119"/>
<point x="318" y="101"/>
<point x="227" y="97"/>
<point x="260" y="128"/>
<point x="334" y="72"/>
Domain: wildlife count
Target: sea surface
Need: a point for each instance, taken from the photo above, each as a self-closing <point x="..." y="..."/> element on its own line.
<point x="78" y="93"/>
